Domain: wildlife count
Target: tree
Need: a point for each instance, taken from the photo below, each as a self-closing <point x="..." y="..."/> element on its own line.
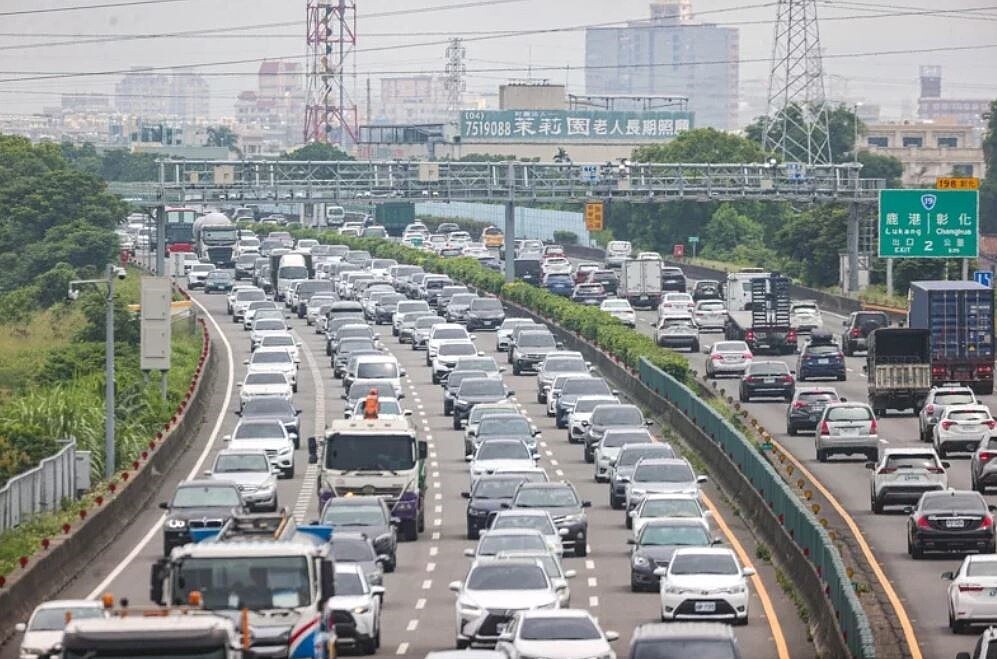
<point x="875" y="165"/>
<point x="702" y="145"/>
<point x="317" y="151"/>
<point x="727" y="229"/>
<point x="842" y="124"/>
<point x="813" y="239"/>
<point x="988" y="188"/>
<point x="222" y="136"/>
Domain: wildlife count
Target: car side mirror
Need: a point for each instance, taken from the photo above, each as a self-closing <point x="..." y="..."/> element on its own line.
<point x="382" y="559"/>
<point x="586" y="504"/>
<point x="702" y="479"/>
<point x="908" y="510"/>
<point x="510" y="394"/>
<point x="946" y="465"/>
<point x="245" y="362"/>
<point x="992" y="508"/>
<point x="468" y="458"/>
<point x="227" y="438"/>
<point x="631" y="541"/>
<point x="403" y="372"/>
<point x="870" y="465"/>
<point x="612" y="636"/>
<point x="962" y="655"/>
<point x="948" y="576"/>
<point x="238" y="384"/>
<point x="660" y="571"/>
<point x="748" y="572"/>
<point x="276" y="471"/>
<point x="207" y="472"/>
<point x="469" y="552"/>
<point x="455" y="586"/>
<point x="20" y="628"/>
<point x="377" y="591"/>
<point x="564" y="533"/>
<point x="615" y="392"/>
<point x="649" y="422"/>
<point x="534" y="430"/>
<point x="465" y="495"/>
<point x="473" y="337"/>
<point x="344" y="396"/>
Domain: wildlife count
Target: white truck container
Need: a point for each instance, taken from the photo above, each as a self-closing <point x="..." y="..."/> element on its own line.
<point x="640" y="282"/>
<point x="293" y="268"/>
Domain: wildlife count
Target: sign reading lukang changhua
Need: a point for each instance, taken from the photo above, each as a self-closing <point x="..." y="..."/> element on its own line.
<point x="572" y="125"/>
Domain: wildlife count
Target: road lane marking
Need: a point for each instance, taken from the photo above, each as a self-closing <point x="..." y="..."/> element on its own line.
<point x="430" y="567"/>
<point x="433" y="551"/>
<point x="412" y="625"/>
<point x="594" y="600"/>
<point x="420" y="603"/>
<point x="307" y="492"/>
<point x="589" y="565"/>
<point x="593" y="582"/>
<point x="773" y="621"/>
<point x="402" y="648"/>
<point x="212" y="438"/>
<point x="427" y="584"/>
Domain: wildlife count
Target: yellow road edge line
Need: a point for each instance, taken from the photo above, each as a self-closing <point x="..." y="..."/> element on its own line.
<point x="898" y="607"/>
<point x="756" y="581"/>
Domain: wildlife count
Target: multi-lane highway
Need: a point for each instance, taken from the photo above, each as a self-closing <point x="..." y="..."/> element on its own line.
<point x="419" y="607"/>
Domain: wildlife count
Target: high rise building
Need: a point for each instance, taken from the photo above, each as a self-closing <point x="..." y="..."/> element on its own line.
<point x="412" y="100"/>
<point x="272" y="115"/>
<point x="176" y="95"/>
<point x="932" y="107"/>
<point x="669" y="54"/>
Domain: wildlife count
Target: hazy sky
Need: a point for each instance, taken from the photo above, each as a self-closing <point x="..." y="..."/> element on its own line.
<point x="410" y="40"/>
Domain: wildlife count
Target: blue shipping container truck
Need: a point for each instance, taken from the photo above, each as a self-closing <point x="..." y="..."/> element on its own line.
<point x="960" y="317"/>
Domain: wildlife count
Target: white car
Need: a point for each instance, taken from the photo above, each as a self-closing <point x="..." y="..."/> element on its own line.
<point x="537" y="520"/>
<point x="661" y="476"/>
<point x="565" y="634"/>
<point x="500" y="453"/>
<point x="804" y="316"/>
<point x="44" y="628"/>
<point x="728" y="358"/>
<point x="704" y="583"/>
<point x="617" y="251"/>
<point x="305" y="245"/>
<point x="274" y="360"/>
<point x="383" y="368"/>
<point x="241" y="300"/>
<point x="358" y="601"/>
<point x="262" y="314"/>
<point x="444" y="332"/>
<point x="607" y="450"/>
<point x="503" y="586"/>
<point x="404" y="307"/>
<point x="621" y="310"/>
<point x="315" y="305"/>
<point x="973" y="592"/>
<point x="556" y="265"/>
<point x="503" y="335"/>
<point x="268" y="435"/>
<point x="710" y="315"/>
<point x="285" y="341"/>
<point x="249" y="313"/>
<point x="658" y="506"/>
<point x="962" y="428"/>
<point x="258" y="384"/>
<point x="676" y="302"/>
<point x="902" y="475"/>
<point x="265" y="327"/>
<point x="198" y="273"/>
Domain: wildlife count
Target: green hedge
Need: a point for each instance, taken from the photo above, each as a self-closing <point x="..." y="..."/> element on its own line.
<point x="597" y="326"/>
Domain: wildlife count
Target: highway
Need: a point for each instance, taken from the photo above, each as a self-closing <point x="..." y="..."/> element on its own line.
<point x="918" y="583"/>
<point x="419" y="607"/>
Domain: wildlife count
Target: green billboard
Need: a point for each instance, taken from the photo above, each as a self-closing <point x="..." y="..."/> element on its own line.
<point x="924" y="224"/>
<point x="572" y="125"/>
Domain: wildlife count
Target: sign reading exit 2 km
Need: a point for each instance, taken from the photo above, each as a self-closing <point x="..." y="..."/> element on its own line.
<point x="921" y="224"/>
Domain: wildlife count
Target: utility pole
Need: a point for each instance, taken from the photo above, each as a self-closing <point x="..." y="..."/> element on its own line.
<point x="852" y="238"/>
<point x="510" y="224"/>
<point x="160" y="212"/>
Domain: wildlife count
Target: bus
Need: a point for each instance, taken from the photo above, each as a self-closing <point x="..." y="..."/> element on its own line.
<point x="180" y="229"/>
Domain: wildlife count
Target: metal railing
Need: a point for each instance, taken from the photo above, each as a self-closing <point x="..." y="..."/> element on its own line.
<point x="39" y="490"/>
<point x="801" y="525"/>
<point x="237" y="181"/>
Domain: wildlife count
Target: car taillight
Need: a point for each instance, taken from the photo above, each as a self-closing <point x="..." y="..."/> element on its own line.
<point x="873" y="427"/>
<point x="787" y="378"/>
<point x="716" y="357"/>
<point x="799" y="405"/>
<point x="888" y="470"/>
<point x="937" y="371"/>
<point x="987" y="522"/>
<point x="986" y="369"/>
<point x="922" y="522"/>
<point x="970" y="588"/>
<point x="824" y="428"/>
<point x="749" y="378"/>
<point x="929" y="409"/>
<point x="986" y="456"/>
<point x="856" y="332"/>
<point x="935" y="470"/>
<point x="746" y="355"/>
<point x="990" y="423"/>
<point x="841" y="355"/>
<point x="791" y="335"/>
<point x="947" y="424"/>
<point x="749" y="336"/>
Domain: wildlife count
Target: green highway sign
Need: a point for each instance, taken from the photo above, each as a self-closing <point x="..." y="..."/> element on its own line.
<point x="921" y="224"/>
<point x="693" y="240"/>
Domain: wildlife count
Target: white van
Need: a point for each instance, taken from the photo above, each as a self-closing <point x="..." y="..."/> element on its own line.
<point x="335" y="215"/>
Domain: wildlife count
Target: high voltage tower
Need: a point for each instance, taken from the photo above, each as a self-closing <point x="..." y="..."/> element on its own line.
<point x="456" y="69"/>
<point x="330" y="113"/>
<point x="796" y="127"/>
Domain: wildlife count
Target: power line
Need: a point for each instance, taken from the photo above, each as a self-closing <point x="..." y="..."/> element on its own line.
<point x="52" y="10"/>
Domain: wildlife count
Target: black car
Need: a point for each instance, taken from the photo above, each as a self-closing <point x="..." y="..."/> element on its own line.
<point x="245" y="266"/>
<point x="858" y="326"/>
<point x="807" y="406"/>
<point x="367" y="515"/>
<point x="706" y="289"/>
<point x="530" y="349"/>
<point x="199" y="504"/>
<point x="308" y="289"/>
<point x="950" y="521"/>
<point x="477" y="391"/>
<point x="485" y="313"/>
<point x="447" y="227"/>
<point x="767" y="379"/>
<point x="486" y="498"/>
<point x="565" y="507"/>
<point x="658" y="540"/>
<point x="452" y="384"/>
<point x="274" y="407"/>
<point x="220" y="281"/>
<point x="821" y="358"/>
<point x="572" y="389"/>
<point x="672" y="279"/>
<point x="609" y="280"/>
<point x="529" y="270"/>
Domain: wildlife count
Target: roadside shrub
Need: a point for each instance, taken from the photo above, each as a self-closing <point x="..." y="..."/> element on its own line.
<point x="566" y="237"/>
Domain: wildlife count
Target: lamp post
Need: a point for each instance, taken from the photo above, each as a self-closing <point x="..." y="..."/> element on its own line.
<point x="112" y="273"/>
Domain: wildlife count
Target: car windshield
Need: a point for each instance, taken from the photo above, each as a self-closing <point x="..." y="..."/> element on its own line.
<point x="268" y="406"/>
<point x="275" y="357"/>
<point x="377" y="370"/>
<point x="503" y="451"/>
<point x="250" y="296"/>
<point x="585" y="387"/>
<point x="481" y="387"/>
<point x="768" y="368"/>
<point x="963" y="503"/>
<point x="278" y="342"/>
<point x="388" y="406"/>
<point x="683" y="648"/>
<point x="352" y="550"/>
<point x="730" y="346"/>
<point x="373" y="452"/>
<point x="486" y="364"/>
<point x="664" y="473"/>
<point x="912" y="461"/>
<point x="849" y="413"/>
<point x="712" y="305"/>
<point x="614" y="439"/>
<point x="257" y="582"/>
<point x="450" y="333"/>
<point x="967" y="415"/>
<point x="822" y="351"/>
<point x="543" y="497"/>
<point x="292" y="272"/>
<point x="573" y="628"/>
<point x="493" y="544"/>
<point x="259" y="430"/>
<point x="565" y="365"/>
<point x="511" y="425"/>
<point x="353" y="515"/>
<point x="351" y="345"/>
<point x="270" y="325"/>
<point x="624" y="415"/>
<point x="953" y="399"/>
<point x="348" y="583"/>
<point x="540" y="523"/>
<point x="671" y="508"/>
<point x="703" y="564"/>
<point x="507" y="577"/>
<point x="241" y="463"/>
<point x="495" y="488"/>
<point x="266" y="378"/>
<point x="204" y="496"/>
<point x="816" y="396"/>
<point x="674" y="534"/>
<point x="427" y="321"/>
<point x="536" y="340"/>
<point x="486" y="304"/>
<point x="361" y="388"/>
<point x="981" y="568"/>
<point x="457" y="349"/>
<point x="585" y="404"/>
<point x="363" y="332"/>
<point x="630" y="457"/>
<point x="54" y="619"/>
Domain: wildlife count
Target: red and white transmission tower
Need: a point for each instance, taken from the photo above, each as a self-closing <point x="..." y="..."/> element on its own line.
<point x="330" y="114"/>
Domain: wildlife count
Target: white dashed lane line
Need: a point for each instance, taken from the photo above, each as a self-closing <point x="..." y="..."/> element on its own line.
<point x="306" y="495"/>
<point x="402" y="648"/>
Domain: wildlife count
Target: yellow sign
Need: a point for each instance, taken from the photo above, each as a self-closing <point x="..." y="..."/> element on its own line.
<point x="593" y="216"/>
<point x="958" y="183"/>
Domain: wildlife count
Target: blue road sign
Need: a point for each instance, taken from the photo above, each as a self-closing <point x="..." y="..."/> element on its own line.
<point x="984" y="277"/>
<point x="589" y="174"/>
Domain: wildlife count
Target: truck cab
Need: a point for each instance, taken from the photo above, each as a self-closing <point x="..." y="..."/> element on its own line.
<point x="161" y="636"/>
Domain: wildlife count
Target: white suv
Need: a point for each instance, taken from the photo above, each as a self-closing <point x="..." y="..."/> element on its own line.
<point x="902" y="475"/>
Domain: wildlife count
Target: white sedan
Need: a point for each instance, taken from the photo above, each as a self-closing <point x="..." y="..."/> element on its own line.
<point x="359" y="602"/>
<point x="621" y="310"/>
<point x="704" y="583"/>
<point x="973" y="592"/>
<point x="264" y="384"/>
<point x="562" y="633"/>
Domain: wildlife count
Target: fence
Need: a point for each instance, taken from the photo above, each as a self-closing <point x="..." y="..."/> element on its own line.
<point x="39" y="490"/>
<point x="802" y="527"/>
<point x="532" y="223"/>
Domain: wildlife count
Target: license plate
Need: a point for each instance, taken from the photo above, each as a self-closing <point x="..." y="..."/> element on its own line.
<point x="911" y="477"/>
<point x="643" y="297"/>
<point x="850" y="432"/>
<point x="823" y="361"/>
<point x="954" y="523"/>
<point x="769" y="380"/>
<point x="972" y="428"/>
<point x="705" y="607"/>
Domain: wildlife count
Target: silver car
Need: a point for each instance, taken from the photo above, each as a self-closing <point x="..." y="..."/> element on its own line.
<point x="580" y="418"/>
<point x="660" y="476"/>
<point x="962" y="428"/>
<point x="254" y="474"/>
<point x="559" y="363"/>
<point x="936" y="402"/>
<point x="608" y="448"/>
<point x="503" y="335"/>
<point x="728" y="358"/>
<point x="610" y="415"/>
<point x="710" y="315"/>
<point x="847" y="428"/>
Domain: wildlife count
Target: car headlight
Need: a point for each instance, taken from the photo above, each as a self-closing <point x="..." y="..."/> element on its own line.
<point x="361" y="609"/>
<point x="470" y="610"/>
<point x="733" y="590"/>
<point x="176" y="523"/>
<point x="474" y="512"/>
<point x="574" y="519"/>
<point x="461" y="402"/>
<point x="640" y="561"/>
<point x="638" y="493"/>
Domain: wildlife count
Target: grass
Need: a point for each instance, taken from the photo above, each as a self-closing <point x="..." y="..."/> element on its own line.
<point x="794" y="596"/>
<point x="877" y="295"/>
<point x="24" y="347"/>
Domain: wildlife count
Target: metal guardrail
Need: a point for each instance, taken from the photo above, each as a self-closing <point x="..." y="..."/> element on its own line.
<point x="241" y="181"/>
<point x="39" y="490"/>
<point x="801" y="525"/>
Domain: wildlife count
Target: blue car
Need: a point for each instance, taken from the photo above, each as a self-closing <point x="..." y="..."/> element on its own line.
<point x="559" y="285"/>
<point x="821" y="358"/>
